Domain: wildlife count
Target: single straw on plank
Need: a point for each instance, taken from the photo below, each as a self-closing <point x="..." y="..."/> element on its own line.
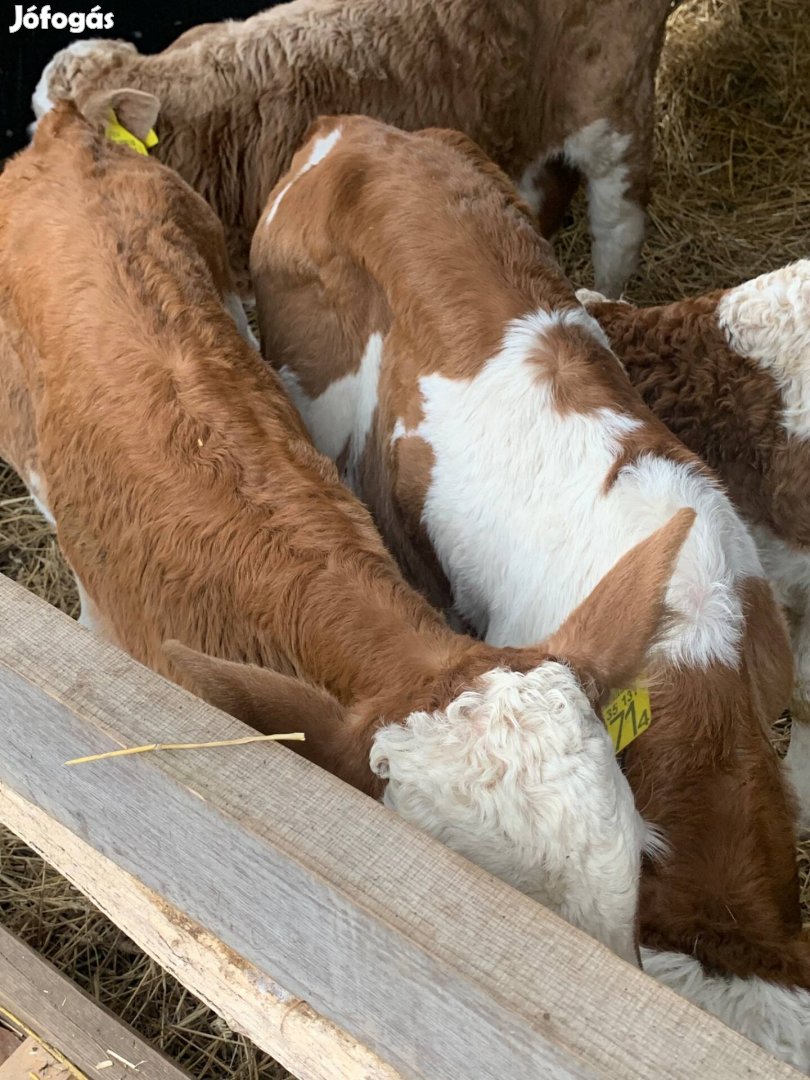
<point x="295" y="736"/>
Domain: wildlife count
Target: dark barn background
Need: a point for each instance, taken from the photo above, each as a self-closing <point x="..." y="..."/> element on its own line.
<point x="151" y="27"/>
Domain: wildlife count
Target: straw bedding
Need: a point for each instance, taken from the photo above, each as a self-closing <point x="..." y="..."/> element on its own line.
<point x="731" y="199"/>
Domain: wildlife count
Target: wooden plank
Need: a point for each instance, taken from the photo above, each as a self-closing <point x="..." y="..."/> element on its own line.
<point x="64" y="1017"/>
<point x="250" y="1002"/>
<point x="31" y="1060"/>
<point x="430" y="962"/>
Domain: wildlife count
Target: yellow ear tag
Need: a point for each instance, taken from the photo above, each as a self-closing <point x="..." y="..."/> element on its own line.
<point x="627" y="715"/>
<point x="118" y="134"/>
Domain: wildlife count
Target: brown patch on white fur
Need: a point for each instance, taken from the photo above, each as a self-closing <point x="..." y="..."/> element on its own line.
<point x="584" y="376"/>
<point x="403" y="525"/>
<point x="416" y="459"/>
<point x="723" y="406"/>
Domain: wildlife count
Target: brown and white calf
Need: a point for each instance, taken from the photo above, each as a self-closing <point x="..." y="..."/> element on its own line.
<point x="729" y="373"/>
<point x="192" y="505"/>
<point x="554" y="90"/>
<point x="438" y="354"/>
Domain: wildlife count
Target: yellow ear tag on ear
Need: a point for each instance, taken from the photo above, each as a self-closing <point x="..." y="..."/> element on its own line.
<point x="119" y="134"/>
<point x="627" y="715"/>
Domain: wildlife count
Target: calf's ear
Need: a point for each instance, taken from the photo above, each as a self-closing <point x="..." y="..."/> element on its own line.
<point x="135" y="110"/>
<point x="265" y="700"/>
<point x="606" y="638"/>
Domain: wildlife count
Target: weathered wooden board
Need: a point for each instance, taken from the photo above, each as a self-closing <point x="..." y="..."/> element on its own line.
<point x="437" y="967"/>
<point x="64" y="1017"/>
<point x="251" y="1002"/>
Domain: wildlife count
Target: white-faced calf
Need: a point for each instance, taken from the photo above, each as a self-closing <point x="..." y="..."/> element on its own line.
<point x="438" y="354"/>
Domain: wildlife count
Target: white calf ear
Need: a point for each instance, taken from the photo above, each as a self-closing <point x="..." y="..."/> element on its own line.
<point x="267" y="701"/>
<point x="135" y="110"/>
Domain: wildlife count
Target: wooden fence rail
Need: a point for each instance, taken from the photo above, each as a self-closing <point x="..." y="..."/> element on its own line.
<point x="45" y="1004"/>
<point x="246" y="870"/>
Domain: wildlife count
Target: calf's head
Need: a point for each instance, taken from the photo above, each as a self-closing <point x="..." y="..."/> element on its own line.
<point x="92" y="62"/>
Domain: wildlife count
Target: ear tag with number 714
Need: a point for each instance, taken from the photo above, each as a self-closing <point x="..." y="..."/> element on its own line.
<point x="627" y="715"/>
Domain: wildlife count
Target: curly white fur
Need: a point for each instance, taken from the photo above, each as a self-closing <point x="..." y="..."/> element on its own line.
<point x="775" y="1017"/>
<point x="521" y="778"/>
<point x="768" y="320"/>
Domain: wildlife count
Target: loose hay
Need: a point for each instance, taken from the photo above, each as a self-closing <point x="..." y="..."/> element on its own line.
<point x="731" y="199"/>
<point x="47" y="912"/>
<point x="152" y="748"/>
<point x="731" y="190"/>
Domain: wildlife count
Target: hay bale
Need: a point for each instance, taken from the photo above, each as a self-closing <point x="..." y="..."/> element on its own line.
<point x="731" y="199"/>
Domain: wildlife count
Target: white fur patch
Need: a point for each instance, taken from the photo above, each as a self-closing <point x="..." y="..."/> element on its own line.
<point x="596" y="149"/>
<point x="617" y="223"/>
<point x="320" y="148"/>
<point x="236" y="310"/>
<point x="88" y="615"/>
<point x="574" y="317"/>
<point x="41" y="101"/>
<point x="590" y="296"/>
<point x="775" y="1017"/>
<point x="768" y="320"/>
<point x="786" y="567"/>
<point x="343" y="414"/>
<point x="271" y="213"/>
<point x="586" y="297"/>
<point x="528" y="187"/>
<point x="515" y="477"/>
<point x="37" y="489"/>
<point x="788" y="570"/>
<point x="521" y="778"/>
